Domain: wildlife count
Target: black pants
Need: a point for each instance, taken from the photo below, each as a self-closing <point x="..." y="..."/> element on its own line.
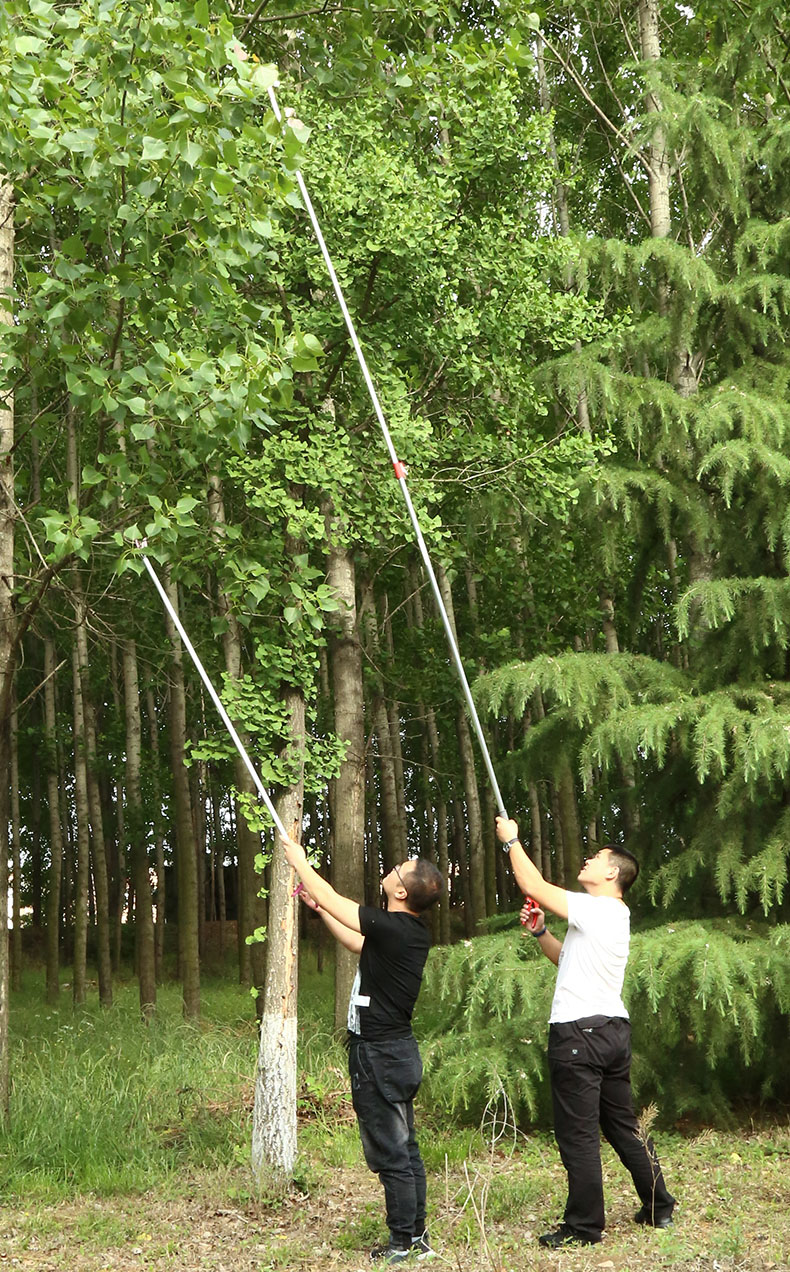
<point x="590" y="1065"/>
<point x="385" y="1077"/>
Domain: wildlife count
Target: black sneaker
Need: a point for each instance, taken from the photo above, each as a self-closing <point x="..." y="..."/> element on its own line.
<point x="421" y="1247"/>
<point x="389" y="1254"/>
<point x="649" y="1220"/>
<point x="565" y="1236"/>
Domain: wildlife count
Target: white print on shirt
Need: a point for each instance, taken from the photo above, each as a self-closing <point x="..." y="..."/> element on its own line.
<point x="356" y="1001"/>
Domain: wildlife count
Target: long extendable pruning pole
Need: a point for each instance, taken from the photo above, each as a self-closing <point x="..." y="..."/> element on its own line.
<point x="400" y="473"/>
<point x="215" y="698"/>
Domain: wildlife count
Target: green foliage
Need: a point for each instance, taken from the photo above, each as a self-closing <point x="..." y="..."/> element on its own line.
<point x="708" y="1002"/>
<point x="102" y="1102"/>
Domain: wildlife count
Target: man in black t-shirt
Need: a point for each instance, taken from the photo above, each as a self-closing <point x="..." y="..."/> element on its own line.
<point x="383" y="1058"/>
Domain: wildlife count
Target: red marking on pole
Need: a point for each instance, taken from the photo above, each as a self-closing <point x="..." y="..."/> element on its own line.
<point x="400" y="469"/>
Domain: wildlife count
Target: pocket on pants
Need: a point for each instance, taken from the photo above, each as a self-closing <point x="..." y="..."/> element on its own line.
<point x="397" y="1068"/>
<point x="567" y="1047"/>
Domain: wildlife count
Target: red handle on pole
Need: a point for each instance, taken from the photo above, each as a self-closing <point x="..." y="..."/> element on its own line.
<point x="533" y="908"/>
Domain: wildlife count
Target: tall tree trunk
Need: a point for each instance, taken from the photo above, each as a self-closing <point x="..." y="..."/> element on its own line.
<point x="16" y="858"/>
<point x="657" y="156"/>
<point x="145" y="956"/>
<point x="55" y="825"/>
<point x="274" y="1111"/>
<point x="98" y="846"/>
<point x="394" y="719"/>
<point x="373" y="859"/>
<point x="7" y="628"/>
<point x="569" y="816"/>
<point x="460" y="857"/>
<point x="186" y="865"/>
<point x="251" y="908"/>
<point x="393" y="829"/>
<point x="35" y="855"/>
<point x="81" y="882"/>
<point x="348" y="858"/>
<point x="83" y="709"/>
<point x="219" y="870"/>
<point x="159" y="839"/>
<point x="477" y="852"/>
<point x="119" y="893"/>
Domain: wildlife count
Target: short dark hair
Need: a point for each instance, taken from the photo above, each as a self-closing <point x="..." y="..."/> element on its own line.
<point x="627" y="865"/>
<point x="425" y="885"/>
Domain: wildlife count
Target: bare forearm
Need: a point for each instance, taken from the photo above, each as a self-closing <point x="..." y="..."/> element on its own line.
<point x="349" y="939"/>
<point x="342" y="909"/>
<point x="550" y="947"/>
<point x="532" y="883"/>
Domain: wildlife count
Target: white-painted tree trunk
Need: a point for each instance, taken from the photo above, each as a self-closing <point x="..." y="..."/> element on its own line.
<point x="274" y="1111"/>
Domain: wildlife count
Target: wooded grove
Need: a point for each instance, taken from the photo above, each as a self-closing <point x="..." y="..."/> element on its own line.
<point x="565" y="237"/>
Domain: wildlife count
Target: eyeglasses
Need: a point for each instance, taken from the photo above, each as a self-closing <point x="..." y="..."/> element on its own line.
<point x="400" y="878"/>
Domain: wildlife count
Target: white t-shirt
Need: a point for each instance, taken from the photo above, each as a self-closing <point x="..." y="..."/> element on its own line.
<point x="592" y="959"/>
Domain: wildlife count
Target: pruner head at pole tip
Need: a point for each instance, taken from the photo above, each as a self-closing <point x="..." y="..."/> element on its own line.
<point x="141" y="544"/>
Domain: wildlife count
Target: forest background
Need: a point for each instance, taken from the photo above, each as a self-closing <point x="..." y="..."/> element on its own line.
<point x="565" y="235"/>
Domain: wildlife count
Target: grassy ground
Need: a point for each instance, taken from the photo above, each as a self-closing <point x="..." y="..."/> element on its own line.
<point x="128" y="1150"/>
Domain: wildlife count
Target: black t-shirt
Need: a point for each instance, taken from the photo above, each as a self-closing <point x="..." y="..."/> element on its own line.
<point x="390" y="973"/>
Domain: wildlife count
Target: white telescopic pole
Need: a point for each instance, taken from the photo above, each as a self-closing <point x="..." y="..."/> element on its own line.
<point x="400" y="473"/>
<point x="226" y="720"/>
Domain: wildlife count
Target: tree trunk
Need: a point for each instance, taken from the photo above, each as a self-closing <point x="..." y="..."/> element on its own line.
<point x="460" y="857"/>
<point x="657" y="156"/>
<point x="81" y="882"/>
<point x="477" y="853"/>
<point x="569" y="816"/>
<point x="186" y="865"/>
<point x="394" y="720"/>
<point x="145" y="955"/>
<point x="274" y="1112"/>
<point x="7" y="628"/>
<point x="55" y="826"/>
<point x="348" y="859"/>
<point x="83" y="710"/>
<point x="393" y="830"/>
<point x="98" y="846"/>
<point x="159" y="839"/>
<point x="118" y="893"/>
<point x="251" y="908"/>
<point x="16" y="858"/>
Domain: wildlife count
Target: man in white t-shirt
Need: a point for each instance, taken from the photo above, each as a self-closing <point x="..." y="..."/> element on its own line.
<point x="590" y="1038"/>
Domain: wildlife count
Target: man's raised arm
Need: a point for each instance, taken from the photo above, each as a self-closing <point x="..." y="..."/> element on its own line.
<point x="343" y="909"/>
<point x="528" y="877"/>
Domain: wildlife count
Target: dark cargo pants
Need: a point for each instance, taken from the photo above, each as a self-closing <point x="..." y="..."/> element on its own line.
<point x="590" y="1066"/>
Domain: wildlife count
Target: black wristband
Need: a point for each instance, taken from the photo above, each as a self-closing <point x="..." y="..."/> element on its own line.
<point x="542" y="931"/>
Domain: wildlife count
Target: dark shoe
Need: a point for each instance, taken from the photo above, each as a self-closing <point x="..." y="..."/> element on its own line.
<point x="389" y="1254"/>
<point x="421" y="1247"/>
<point x="565" y="1236"/>
<point x="648" y="1220"/>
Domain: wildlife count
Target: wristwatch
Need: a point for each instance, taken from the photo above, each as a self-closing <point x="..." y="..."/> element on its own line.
<point x="506" y="847"/>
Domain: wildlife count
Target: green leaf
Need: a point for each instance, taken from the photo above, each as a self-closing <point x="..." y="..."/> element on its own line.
<point x="265" y="76"/>
<point x="142" y="430"/>
<point x="74" y="247"/>
<point x="153" y="148"/>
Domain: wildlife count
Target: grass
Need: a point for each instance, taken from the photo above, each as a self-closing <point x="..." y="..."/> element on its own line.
<point x="128" y="1148"/>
